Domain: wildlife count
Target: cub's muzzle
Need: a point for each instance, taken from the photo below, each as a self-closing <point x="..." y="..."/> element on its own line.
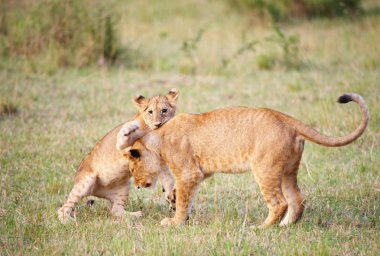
<point x="144" y="185"/>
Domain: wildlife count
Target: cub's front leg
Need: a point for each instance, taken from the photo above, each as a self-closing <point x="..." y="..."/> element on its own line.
<point x="167" y="181"/>
<point x="186" y="189"/>
<point x="128" y="134"/>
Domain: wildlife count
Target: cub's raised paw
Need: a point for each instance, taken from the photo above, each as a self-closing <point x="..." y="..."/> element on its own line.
<point x="126" y="130"/>
<point x="66" y="215"/>
<point x="123" y="137"/>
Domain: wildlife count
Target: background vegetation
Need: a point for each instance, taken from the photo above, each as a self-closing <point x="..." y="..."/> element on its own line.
<point x="295" y="9"/>
<point x="68" y="71"/>
<point x="47" y="35"/>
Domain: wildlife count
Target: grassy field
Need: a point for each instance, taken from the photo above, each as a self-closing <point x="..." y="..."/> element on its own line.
<point x="215" y="57"/>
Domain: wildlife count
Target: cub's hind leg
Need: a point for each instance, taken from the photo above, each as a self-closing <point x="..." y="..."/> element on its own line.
<point x="118" y="195"/>
<point x="84" y="185"/>
<point x="296" y="203"/>
<point x="269" y="181"/>
<point x="292" y="193"/>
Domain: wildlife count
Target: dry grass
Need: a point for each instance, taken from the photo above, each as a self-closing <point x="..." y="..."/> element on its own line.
<point x="65" y="114"/>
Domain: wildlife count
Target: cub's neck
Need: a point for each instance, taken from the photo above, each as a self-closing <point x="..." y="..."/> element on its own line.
<point x="152" y="140"/>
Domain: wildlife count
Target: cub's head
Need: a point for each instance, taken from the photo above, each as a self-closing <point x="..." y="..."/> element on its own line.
<point x="157" y="110"/>
<point x="144" y="164"/>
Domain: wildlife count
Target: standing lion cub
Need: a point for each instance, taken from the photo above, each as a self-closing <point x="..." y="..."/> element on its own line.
<point x="234" y="140"/>
<point x="104" y="171"/>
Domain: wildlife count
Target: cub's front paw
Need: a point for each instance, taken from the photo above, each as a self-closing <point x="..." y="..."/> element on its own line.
<point x="126" y="130"/>
<point x="66" y="214"/>
<point x="123" y="139"/>
<point x="171" y="222"/>
<point x="167" y="222"/>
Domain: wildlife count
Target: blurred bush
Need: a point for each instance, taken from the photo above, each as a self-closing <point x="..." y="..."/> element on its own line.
<point x="48" y="34"/>
<point x="288" y="9"/>
<point x="7" y="108"/>
<point x="265" y="61"/>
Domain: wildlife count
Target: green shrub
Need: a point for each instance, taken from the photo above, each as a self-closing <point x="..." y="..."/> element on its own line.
<point x="275" y="9"/>
<point x="246" y="46"/>
<point x="287" y="9"/>
<point x="286" y="54"/>
<point x="48" y="34"/>
<point x="189" y="48"/>
<point x="289" y="45"/>
<point x="265" y="61"/>
<point x="331" y="8"/>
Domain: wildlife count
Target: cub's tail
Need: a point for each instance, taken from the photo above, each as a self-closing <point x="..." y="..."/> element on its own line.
<point x="316" y="137"/>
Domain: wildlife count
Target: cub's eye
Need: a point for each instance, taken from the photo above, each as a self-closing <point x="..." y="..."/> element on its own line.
<point x="164" y="110"/>
<point x="150" y="112"/>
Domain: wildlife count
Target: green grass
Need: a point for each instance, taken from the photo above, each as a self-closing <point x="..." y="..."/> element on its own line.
<point x="60" y="117"/>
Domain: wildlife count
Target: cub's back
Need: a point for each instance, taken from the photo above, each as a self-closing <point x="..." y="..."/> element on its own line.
<point x="224" y="133"/>
<point x="104" y="157"/>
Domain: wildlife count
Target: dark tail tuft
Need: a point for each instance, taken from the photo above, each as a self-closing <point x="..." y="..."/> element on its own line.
<point x="344" y="98"/>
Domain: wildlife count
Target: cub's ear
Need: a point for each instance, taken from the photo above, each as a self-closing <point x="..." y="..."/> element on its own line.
<point x="173" y="96"/>
<point x="140" y="101"/>
<point x="135" y="153"/>
<point x="132" y="154"/>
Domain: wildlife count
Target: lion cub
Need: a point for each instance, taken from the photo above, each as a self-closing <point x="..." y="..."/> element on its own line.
<point x="234" y="140"/>
<point x="104" y="171"/>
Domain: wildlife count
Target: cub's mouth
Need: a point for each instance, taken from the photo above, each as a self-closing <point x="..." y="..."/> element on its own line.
<point x="144" y="185"/>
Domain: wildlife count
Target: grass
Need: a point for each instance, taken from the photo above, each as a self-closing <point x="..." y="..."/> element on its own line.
<point x="7" y="108"/>
<point x="60" y="117"/>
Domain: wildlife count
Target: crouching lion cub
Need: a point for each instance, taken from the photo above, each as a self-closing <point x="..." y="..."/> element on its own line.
<point x="104" y="171"/>
<point x="233" y="140"/>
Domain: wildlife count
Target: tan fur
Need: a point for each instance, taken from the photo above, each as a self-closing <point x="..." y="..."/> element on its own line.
<point x="104" y="171"/>
<point x="234" y="140"/>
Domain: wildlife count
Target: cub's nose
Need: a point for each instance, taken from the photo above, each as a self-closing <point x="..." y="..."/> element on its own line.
<point x="157" y="125"/>
<point x="148" y="184"/>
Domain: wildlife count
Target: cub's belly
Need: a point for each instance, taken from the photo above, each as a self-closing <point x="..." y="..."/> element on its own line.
<point x="110" y="173"/>
<point x="231" y="168"/>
